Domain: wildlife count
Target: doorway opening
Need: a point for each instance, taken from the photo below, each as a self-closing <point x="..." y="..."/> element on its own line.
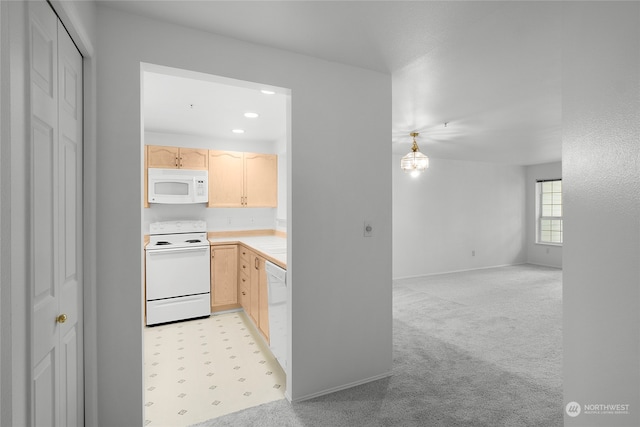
<point x="197" y="368"/>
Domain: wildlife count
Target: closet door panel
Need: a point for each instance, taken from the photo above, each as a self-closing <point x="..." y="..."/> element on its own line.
<point x="70" y="346"/>
<point x="55" y="194"/>
<point x="44" y="286"/>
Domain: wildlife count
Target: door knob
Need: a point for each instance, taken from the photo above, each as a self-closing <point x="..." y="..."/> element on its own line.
<point x="62" y="318"/>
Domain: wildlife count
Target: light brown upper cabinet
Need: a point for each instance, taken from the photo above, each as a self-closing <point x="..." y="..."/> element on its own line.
<point x="260" y="180"/>
<point x="226" y="179"/>
<point x="177" y="157"/>
<point x="239" y="179"/>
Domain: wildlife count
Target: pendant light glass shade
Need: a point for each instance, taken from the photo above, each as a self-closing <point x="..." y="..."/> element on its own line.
<point x="415" y="162"/>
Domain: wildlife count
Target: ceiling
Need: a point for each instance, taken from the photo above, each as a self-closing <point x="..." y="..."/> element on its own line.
<point x="206" y="106"/>
<point x="479" y="80"/>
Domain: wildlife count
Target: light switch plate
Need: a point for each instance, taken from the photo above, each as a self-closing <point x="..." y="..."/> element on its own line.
<point x="368" y="229"/>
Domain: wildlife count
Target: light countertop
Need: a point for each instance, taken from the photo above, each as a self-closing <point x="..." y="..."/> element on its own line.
<point x="273" y="248"/>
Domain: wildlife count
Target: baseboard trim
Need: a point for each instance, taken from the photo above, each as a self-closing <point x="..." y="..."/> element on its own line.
<point x="458" y="271"/>
<point x="338" y="388"/>
<point x="545" y="265"/>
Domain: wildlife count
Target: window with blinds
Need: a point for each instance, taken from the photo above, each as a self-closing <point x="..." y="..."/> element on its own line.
<point x="549" y="218"/>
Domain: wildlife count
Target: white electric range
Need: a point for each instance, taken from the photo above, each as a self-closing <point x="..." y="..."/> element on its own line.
<point x="178" y="280"/>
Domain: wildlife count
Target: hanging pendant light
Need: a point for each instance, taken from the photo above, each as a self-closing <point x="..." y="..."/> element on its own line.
<point x="415" y="162"/>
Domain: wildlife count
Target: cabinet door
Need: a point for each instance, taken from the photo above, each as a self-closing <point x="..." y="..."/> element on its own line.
<point x="193" y="158"/>
<point x="261" y="180"/>
<point x="263" y="301"/>
<point x="254" y="291"/>
<point x="162" y="157"/>
<point x="224" y="275"/>
<point x="225" y="179"/>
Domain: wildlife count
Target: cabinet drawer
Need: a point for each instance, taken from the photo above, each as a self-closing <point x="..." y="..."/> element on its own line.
<point x="243" y="281"/>
<point x="244" y="254"/>
<point x="244" y="300"/>
<point x="245" y="267"/>
<point x="243" y="291"/>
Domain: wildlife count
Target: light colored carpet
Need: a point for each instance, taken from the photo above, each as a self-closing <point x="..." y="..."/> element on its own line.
<point x="481" y="348"/>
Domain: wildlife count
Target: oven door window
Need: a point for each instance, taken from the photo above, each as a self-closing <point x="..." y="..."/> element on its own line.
<point x="171" y="188"/>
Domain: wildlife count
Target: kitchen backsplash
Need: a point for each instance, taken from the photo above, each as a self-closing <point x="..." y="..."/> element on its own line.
<point x="218" y="219"/>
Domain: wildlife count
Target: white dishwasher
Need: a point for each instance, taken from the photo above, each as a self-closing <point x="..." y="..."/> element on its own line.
<point x="277" y="297"/>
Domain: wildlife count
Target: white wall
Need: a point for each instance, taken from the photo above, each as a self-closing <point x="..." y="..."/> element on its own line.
<point x="281" y="212"/>
<point x="218" y="219"/>
<point x="6" y="276"/>
<point x="601" y="188"/>
<point x="15" y="328"/>
<point x="4" y="46"/>
<point x="549" y="255"/>
<point x="332" y="264"/>
<point x="453" y="209"/>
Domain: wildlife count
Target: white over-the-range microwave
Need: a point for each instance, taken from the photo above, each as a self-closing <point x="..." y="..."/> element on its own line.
<point x="177" y="186"/>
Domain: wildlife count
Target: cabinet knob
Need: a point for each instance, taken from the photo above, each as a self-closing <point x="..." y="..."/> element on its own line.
<point x="62" y="318"/>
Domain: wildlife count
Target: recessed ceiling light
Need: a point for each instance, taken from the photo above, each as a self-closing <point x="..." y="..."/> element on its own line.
<point x="267" y="92"/>
<point x="237" y="131"/>
<point x="251" y="115"/>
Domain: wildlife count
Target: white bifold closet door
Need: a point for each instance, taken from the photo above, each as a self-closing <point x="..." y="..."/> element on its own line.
<point x="56" y="221"/>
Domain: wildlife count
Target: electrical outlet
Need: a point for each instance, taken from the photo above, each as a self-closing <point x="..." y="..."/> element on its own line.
<point x="368" y="229"/>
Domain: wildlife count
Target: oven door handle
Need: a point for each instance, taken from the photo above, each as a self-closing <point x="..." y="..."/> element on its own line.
<point x="174" y="250"/>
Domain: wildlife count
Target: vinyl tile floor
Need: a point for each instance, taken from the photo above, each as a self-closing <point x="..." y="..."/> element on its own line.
<point x="204" y="368"/>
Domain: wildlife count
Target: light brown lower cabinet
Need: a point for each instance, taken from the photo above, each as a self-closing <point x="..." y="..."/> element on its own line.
<point x="239" y="279"/>
<point x="252" y="288"/>
<point x="254" y="277"/>
<point x="224" y="277"/>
